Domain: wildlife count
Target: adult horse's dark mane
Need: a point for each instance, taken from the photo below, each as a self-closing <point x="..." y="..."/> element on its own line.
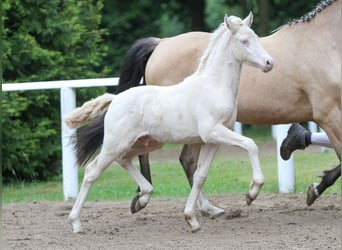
<point x="309" y="16"/>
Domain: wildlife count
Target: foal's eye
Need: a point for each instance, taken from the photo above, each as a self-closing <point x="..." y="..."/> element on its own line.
<point x="245" y="42"/>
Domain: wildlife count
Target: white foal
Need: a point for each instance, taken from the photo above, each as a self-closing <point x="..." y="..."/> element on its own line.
<point x="201" y="109"/>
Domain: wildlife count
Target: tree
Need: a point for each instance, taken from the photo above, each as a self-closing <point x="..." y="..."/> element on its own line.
<point x="197" y="10"/>
<point x="264" y="14"/>
<point x="43" y="40"/>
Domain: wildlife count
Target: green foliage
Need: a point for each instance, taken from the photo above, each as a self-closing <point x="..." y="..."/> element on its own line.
<point x="31" y="140"/>
<point x="128" y="21"/>
<point x="50" y="40"/>
<point x="44" y="40"/>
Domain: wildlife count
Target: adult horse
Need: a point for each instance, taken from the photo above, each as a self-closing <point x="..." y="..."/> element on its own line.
<point x="201" y="110"/>
<point x="305" y="84"/>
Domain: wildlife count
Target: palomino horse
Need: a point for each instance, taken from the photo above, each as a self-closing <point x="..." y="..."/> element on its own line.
<point x="305" y="84"/>
<point x="201" y="109"/>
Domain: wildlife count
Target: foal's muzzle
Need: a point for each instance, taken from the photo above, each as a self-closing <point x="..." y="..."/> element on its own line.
<point x="268" y="65"/>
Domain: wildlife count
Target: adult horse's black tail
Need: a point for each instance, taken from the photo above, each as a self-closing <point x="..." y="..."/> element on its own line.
<point x="133" y="68"/>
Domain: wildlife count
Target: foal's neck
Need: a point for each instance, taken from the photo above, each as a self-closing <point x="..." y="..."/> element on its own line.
<point x="218" y="63"/>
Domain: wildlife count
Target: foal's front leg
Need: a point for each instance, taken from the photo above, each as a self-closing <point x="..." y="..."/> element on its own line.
<point x="224" y="136"/>
<point x="206" y="156"/>
<point x="189" y="160"/>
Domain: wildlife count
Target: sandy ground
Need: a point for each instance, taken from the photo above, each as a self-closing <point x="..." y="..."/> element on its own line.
<point x="273" y="221"/>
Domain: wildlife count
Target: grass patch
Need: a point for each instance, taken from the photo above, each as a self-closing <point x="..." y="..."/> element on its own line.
<point x="226" y="176"/>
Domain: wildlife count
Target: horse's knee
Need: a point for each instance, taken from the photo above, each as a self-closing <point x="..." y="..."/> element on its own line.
<point x="251" y="146"/>
<point x="90" y="177"/>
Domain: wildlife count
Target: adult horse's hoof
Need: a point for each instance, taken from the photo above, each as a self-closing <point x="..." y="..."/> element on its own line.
<point x="135" y="205"/>
<point x="311" y="195"/>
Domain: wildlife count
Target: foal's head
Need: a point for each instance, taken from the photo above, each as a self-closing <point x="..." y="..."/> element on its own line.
<point x="245" y="43"/>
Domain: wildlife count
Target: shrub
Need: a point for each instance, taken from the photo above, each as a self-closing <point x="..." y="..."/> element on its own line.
<point x="44" y="40"/>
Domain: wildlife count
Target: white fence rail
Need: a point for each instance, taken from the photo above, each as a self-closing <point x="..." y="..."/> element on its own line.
<point x="68" y="104"/>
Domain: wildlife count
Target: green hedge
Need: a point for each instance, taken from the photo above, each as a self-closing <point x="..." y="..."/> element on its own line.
<point x="44" y="40"/>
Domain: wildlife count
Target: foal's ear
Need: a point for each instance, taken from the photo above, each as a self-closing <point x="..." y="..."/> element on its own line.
<point x="231" y="25"/>
<point x="248" y="20"/>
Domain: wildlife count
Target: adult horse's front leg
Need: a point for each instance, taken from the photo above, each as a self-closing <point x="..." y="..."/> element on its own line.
<point x="206" y="156"/>
<point x="189" y="159"/>
<point x="328" y="178"/>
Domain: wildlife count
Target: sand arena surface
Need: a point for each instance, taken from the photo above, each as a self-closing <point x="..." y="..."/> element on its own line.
<point x="273" y="221"/>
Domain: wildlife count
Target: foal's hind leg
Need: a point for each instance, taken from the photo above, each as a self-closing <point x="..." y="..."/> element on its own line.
<point x="92" y="172"/>
<point x="189" y="159"/>
<point x="145" y="188"/>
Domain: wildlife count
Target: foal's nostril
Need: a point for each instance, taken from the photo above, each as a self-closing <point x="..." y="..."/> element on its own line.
<point x="269" y="63"/>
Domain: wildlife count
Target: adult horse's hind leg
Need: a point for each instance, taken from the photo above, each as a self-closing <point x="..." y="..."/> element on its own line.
<point x="145" y="167"/>
<point x="92" y="172"/>
<point x="189" y="159"/>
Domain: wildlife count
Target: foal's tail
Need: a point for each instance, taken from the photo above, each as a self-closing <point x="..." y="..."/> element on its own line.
<point x="89" y="137"/>
<point x="133" y="68"/>
<point x="88" y="111"/>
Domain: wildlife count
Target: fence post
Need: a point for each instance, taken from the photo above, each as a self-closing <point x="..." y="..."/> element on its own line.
<point x="312" y="126"/>
<point x="285" y="168"/>
<point x="238" y="127"/>
<point x="70" y="175"/>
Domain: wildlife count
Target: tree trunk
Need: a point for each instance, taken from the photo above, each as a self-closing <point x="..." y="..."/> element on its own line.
<point x="264" y="17"/>
<point x="197" y="8"/>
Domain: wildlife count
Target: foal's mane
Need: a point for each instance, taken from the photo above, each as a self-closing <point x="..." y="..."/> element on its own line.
<point x="311" y="15"/>
<point x="214" y="37"/>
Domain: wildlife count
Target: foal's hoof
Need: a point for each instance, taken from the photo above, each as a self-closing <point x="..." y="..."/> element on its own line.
<point x="254" y="190"/>
<point x="212" y="212"/>
<point x="76" y="225"/>
<point x="192" y="221"/>
<point x="135" y="205"/>
<point x="311" y="195"/>
<point x="249" y="199"/>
